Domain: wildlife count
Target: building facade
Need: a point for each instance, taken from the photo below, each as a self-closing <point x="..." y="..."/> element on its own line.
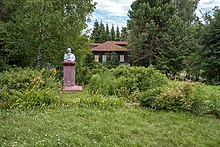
<point x="102" y="51"/>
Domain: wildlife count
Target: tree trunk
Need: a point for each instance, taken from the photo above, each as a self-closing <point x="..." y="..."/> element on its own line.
<point x="40" y="37"/>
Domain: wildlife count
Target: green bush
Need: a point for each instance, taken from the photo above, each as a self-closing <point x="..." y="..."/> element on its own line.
<point x="104" y="83"/>
<point x="140" y="78"/>
<point x="125" y="80"/>
<point x="176" y="96"/>
<point x="27" y="88"/>
<point x="209" y="100"/>
<point x="84" y="73"/>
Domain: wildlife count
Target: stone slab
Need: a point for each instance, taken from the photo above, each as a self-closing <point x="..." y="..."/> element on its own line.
<point x="72" y="88"/>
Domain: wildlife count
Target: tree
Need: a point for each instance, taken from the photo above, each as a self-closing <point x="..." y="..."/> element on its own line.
<point x="112" y="33"/>
<point x="148" y="19"/>
<point x="117" y="38"/>
<point x="113" y="60"/>
<point x="40" y="31"/>
<point x="210" y="53"/>
<point x="124" y="34"/>
<point x="103" y="36"/>
<point x="177" y="43"/>
<point x="186" y="10"/>
<point x="107" y="32"/>
<point x="95" y="36"/>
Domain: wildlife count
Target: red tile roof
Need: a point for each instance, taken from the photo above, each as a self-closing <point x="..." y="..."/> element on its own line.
<point x="111" y="46"/>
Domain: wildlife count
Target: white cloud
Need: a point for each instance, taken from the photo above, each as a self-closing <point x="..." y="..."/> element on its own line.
<point x="208" y="4"/>
<point x="114" y="7"/>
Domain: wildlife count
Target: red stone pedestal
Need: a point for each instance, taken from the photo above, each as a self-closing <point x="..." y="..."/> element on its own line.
<point x="69" y="77"/>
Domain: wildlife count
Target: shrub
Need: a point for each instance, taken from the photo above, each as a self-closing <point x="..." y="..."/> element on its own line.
<point x="140" y="78"/>
<point x="104" y="83"/>
<point x="124" y="81"/>
<point x="84" y="73"/>
<point x="209" y="100"/>
<point x="27" y="88"/>
<point x="177" y="96"/>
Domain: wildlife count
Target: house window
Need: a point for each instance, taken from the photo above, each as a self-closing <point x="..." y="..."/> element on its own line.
<point x="96" y="58"/>
<point x="122" y="58"/>
<point x="104" y="58"/>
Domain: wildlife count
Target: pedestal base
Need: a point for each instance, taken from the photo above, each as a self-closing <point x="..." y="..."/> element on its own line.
<point x="72" y="88"/>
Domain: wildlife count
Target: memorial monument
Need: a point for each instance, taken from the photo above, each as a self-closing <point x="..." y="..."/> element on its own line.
<point x="69" y="73"/>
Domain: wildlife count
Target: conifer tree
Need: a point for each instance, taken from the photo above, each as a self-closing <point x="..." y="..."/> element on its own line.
<point x="102" y="31"/>
<point x="148" y="19"/>
<point x="210" y="54"/>
<point x="95" y="36"/>
<point x="117" y="34"/>
<point x="124" y="34"/>
<point x="186" y="9"/>
<point x="112" y="34"/>
<point x="107" y="32"/>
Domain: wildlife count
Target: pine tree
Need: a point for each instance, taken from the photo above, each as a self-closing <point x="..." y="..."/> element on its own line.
<point x="117" y="34"/>
<point x="102" y="31"/>
<point x="107" y="33"/>
<point x="95" y="36"/>
<point x="124" y="34"/>
<point x="186" y="9"/>
<point x="210" y="54"/>
<point x="148" y="19"/>
<point x="112" y="34"/>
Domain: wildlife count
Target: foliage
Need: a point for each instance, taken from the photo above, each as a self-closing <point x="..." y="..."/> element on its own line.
<point x="113" y="60"/>
<point x="148" y="20"/>
<point x="185" y="96"/>
<point x="177" y="43"/>
<point x="209" y="54"/>
<point x="186" y="10"/>
<point x="112" y="33"/>
<point x="178" y="96"/>
<point x="124" y="34"/>
<point x="117" y="35"/>
<point x="39" y="31"/>
<point x="125" y="80"/>
<point x="27" y="88"/>
<point x="84" y="73"/>
<point x="209" y="97"/>
<point x="164" y="33"/>
<point x="95" y="35"/>
<point x="93" y="101"/>
<point x="101" y="33"/>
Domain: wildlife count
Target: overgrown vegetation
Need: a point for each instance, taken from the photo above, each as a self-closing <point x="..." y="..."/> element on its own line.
<point x="124" y="80"/>
<point x="27" y="88"/>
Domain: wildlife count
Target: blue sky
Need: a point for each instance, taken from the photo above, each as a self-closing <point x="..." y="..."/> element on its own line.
<point x="115" y="11"/>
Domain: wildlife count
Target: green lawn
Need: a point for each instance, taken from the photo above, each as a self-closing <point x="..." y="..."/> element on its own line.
<point x="95" y="127"/>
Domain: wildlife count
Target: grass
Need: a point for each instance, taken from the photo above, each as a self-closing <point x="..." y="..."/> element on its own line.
<point x="71" y="125"/>
<point x="95" y="127"/>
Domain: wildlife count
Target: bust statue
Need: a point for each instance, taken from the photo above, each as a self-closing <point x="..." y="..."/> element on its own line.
<point x="69" y="56"/>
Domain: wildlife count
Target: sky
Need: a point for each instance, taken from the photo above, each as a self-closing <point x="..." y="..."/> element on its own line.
<point x="115" y="11"/>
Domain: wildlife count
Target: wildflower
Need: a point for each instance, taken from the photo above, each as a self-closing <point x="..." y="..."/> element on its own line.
<point x="42" y="70"/>
<point x="53" y="70"/>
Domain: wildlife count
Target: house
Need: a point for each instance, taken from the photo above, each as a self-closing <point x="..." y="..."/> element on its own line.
<point x="102" y="51"/>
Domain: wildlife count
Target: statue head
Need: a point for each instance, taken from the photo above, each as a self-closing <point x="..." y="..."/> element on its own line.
<point x="69" y="56"/>
<point x="69" y="50"/>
